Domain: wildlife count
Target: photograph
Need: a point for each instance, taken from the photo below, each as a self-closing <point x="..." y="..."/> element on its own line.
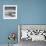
<point x="28" y="34"/>
<point x="9" y="11"/>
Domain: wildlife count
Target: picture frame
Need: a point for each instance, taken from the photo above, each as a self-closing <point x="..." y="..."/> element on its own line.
<point x="9" y="11"/>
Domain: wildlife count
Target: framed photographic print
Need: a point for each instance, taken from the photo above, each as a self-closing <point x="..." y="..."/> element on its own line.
<point x="31" y="32"/>
<point x="9" y="11"/>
